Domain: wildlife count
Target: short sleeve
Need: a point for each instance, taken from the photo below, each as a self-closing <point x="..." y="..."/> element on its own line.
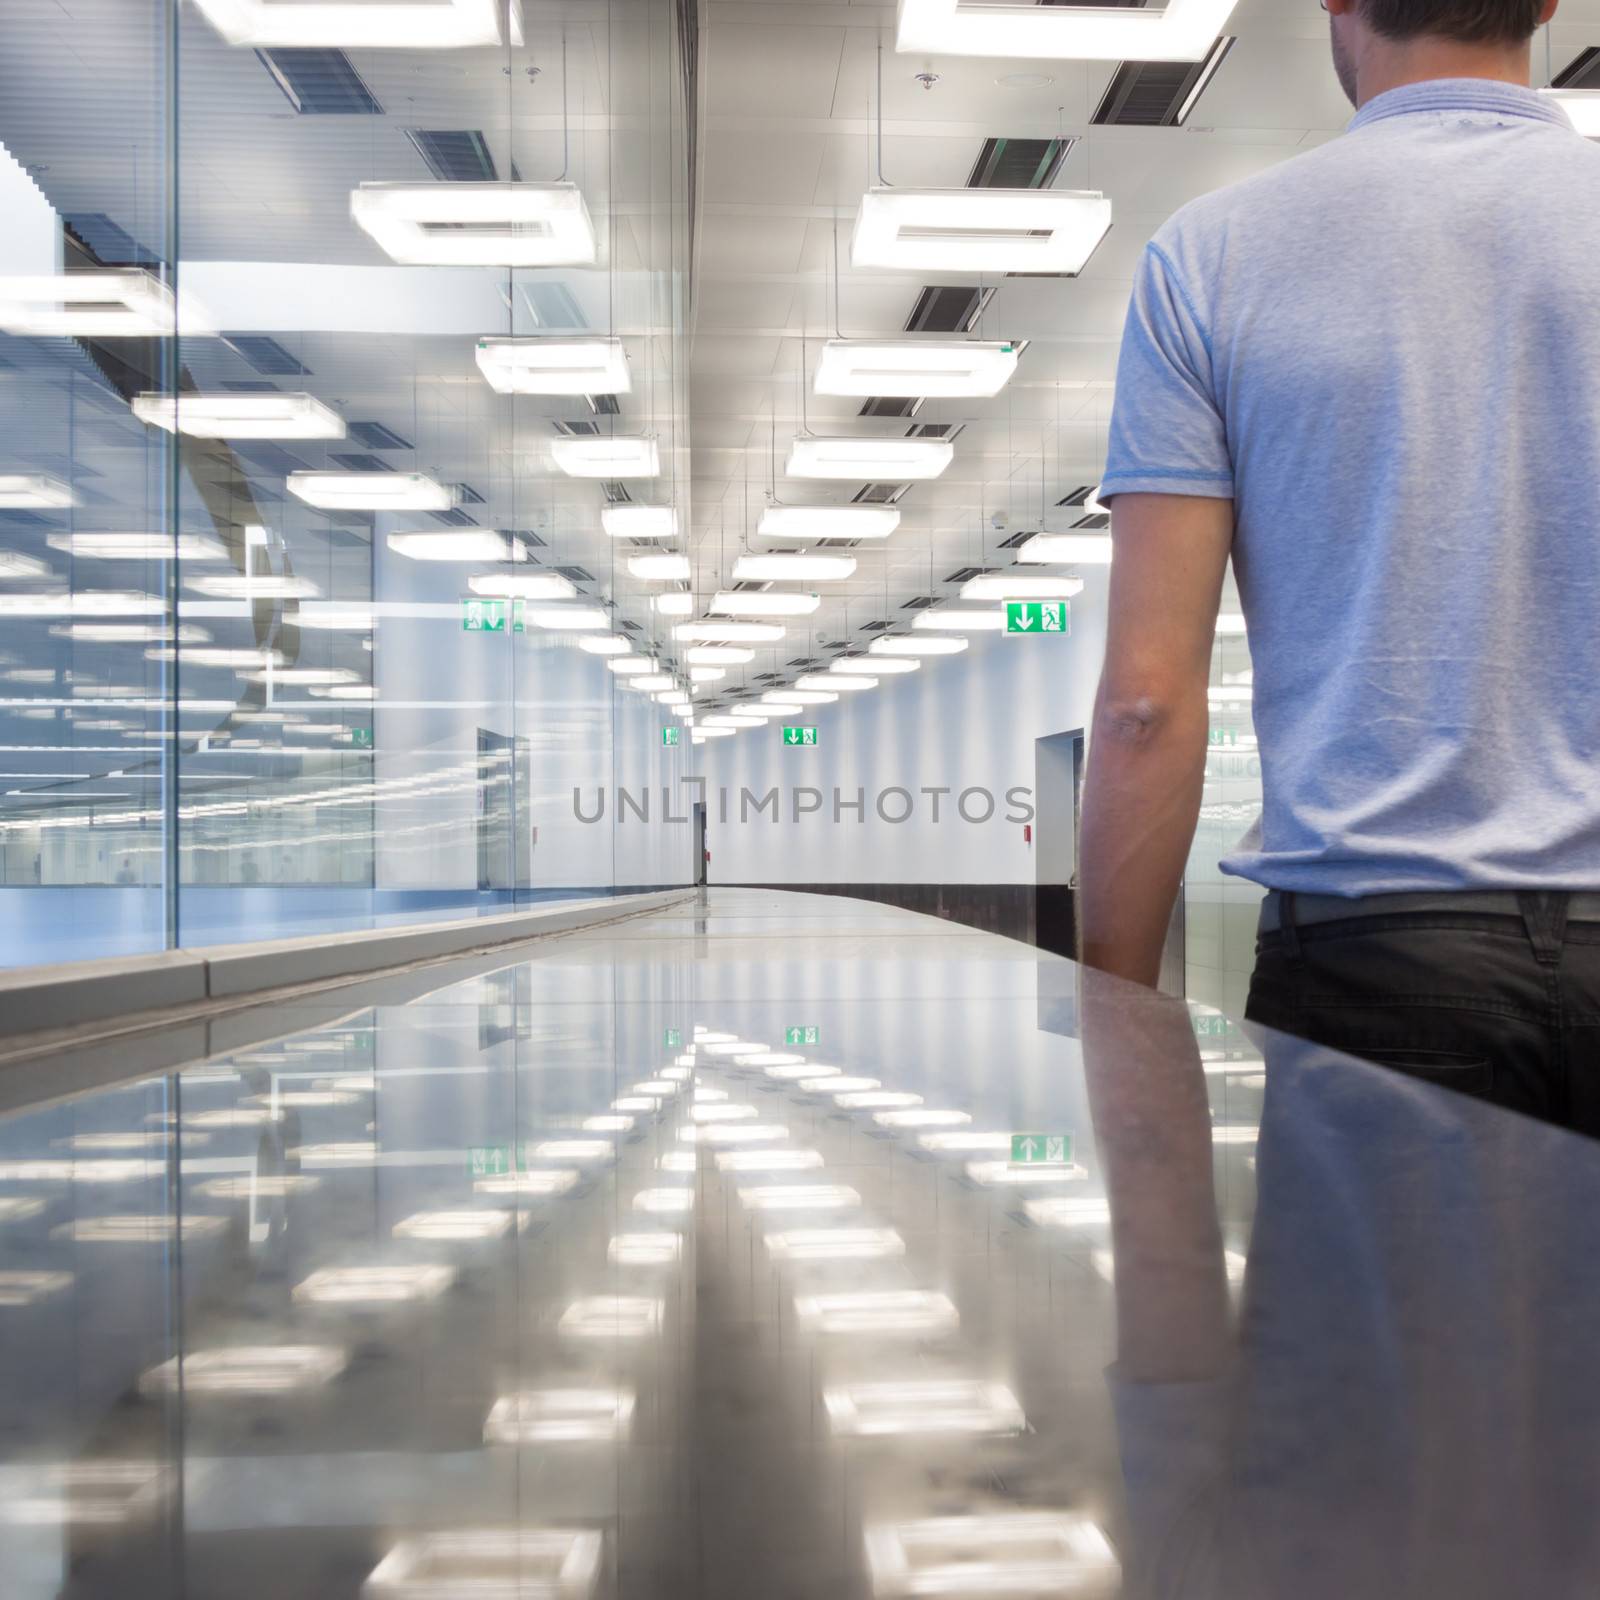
<point x="1167" y="432"/>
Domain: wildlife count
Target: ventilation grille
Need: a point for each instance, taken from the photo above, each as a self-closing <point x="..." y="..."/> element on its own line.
<point x="467" y="495"/>
<point x="576" y="574"/>
<point x="1095" y="524"/>
<point x="551" y="305"/>
<point x="453" y="519"/>
<point x="377" y="437"/>
<point x="1157" y="94"/>
<point x="604" y="405"/>
<point x="891" y="408"/>
<point x="527" y="536"/>
<point x="268" y="456"/>
<point x="963" y="574"/>
<point x="1078" y="497"/>
<point x="1018" y="163"/>
<point x="249" y="386"/>
<point x="935" y="430"/>
<point x="455" y="155"/>
<point x="266" y="355"/>
<point x="616" y="492"/>
<point x="1016" y="539"/>
<point x="805" y="661"/>
<point x="320" y="83"/>
<point x="879" y="494"/>
<point x="921" y="603"/>
<point x="947" y="310"/>
<point x="112" y="244"/>
<point x="575" y="430"/>
<point x="354" y="462"/>
<point x="879" y="626"/>
<point x="628" y="627"/>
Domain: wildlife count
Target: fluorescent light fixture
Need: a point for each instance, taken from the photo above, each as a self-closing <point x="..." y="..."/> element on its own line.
<point x="13" y="564"/>
<point x="718" y="655"/>
<point x="768" y="1160"/>
<point x="34" y="491"/>
<point x="19" y="1208"/>
<point x="885" y="663"/>
<point x="924" y="1117"/>
<point x="802" y="697"/>
<point x="137" y="546"/>
<point x="240" y="416"/>
<point x="264" y="1369"/>
<point x="831" y="1081"/>
<point x="649" y="681"/>
<point x="721" y="1111"/>
<point x="611" y="1316"/>
<point x="22" y="1288"/>
<point x="621" y="456"/>
<point x="258" y="1185"/>
<point x="430" y="25"/>
<point x="912" y="368"/>
<point x="575" y="1150"/>
<point x="607" y="1123"/>
<point x="779" y="707"/>
<point x="921" y="1313"/>
<point x="799" y="1197"/>
<point x="459" y="544"/>
<point x="702" y="734"/>
<point x="774" y="603"/>
<point x="523" y="586"/>
<point x="117" y="303"/>
<point x="731" y="722"/>
<point x="1002" y="1173"/>
<point x="877" y="1100"/>
<point x="962" y="619"/>
<point x="640" y="522"/>
<point x="371" y="491"/>
<point x="562" y="1416"/>
<point x="670" y="697"/>
<point x="554" y="366"/>
<point x="569" y="619"/>
<point x="944" y="645"/>
<point x="1582" y="107"/>
<point x="769" y="1058"/>
<point x="451" y="1227"/>
<point x="491" y="1564"/>
<point x="1086" y="1211"/>
<point x="98" y="1492"/>
<point x="729" y="632"/>
<point x="539" y="1184"/>
<point x="672" y="605"/>
<point x="611" y="644"/>
<point x="888" y="1410"/>
<point x="1230" y="624"/>
<point x="1184" y="31"/>
<point x="835" y="1244"/>
<point x="735" y="1133"/>
<point x="961" y="1143"/>
<point x="157" y="1228"/>
<point x="1011" y="586"/>
<point x="876" y="460"/>
<point x="660" y="568"/>
<point x="835" y="680"/>
<point x="664" y="1202"/>
<point x="801" y="1069"/>
<point x="1085" y="549"/>
<point x="452" y="224"/>
<point x="1012" y="1553"/>
<point x="374" y="1285"/>
<point x="828" y="522"/>
<point x="803" y="568"/>
<point x="630" y="666"/>
<point x="255" y="586"/>
<point x="979" y="230"/>
<point x="645" y="1249"/>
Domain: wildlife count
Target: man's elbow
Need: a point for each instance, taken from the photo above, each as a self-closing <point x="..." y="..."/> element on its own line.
<point x="1149" y="719"/>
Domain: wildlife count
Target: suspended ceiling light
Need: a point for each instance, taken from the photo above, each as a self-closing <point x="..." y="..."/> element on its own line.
<point x="660" y="568"/>
<point x="554" y="366"/>
<point x="630" y="666"/>
<point x="676" y="604"/>
<point x="477" y="224"/>
<point x="828" y="522"/>
<point x="1230" y="624"/>
<point x="119" y="303"/>
<point x="570" y="619"/>
<point x="82" y="603"/>
<point x="731" y="720"/>
<point x="13" y="564"/>
<point x="802" y="697"/>
<point x="670" y="697"/>
<point x="729" y="632"/>
<point x="336" y="24"/>
<point x="256" y="586"/>
<point x="649" y="681"/>
<point x="979" y="230"/>
<point x="33" y="491"/>
<point x="1007" y="586"/>
<point x="700" y="735"/>
<point x="464" y="544"/>
<point x="1582" y="107"/>
<point x="522" y="585"/>
<point x="718" y="655"/>
<point x="877" y="460"/>
<point x="909" y="368"/>
<point x="621" y="456"/>
<point x="640" y="522"/>
<point x="1088" y="549"/>
<point x="828" y="681"/>
<point x="799" y="568"/>
<point x="775" y="603"/>
<point x="944" y="646"/>
<point x="240" y="416"/>
<point x="611" y="644"/>
<point x="884" y="662"/>
<point x="137" y="546"/>
<point x="781" y="708"/>
<point x="321" y="676"/>
<point x="1184" y="31"/>
<point x="371" y="491"/>
<point x="707" y="674"/>
<point x="976" y="619"/>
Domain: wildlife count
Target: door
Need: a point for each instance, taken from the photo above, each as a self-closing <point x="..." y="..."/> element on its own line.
<point x="699" y="832"/>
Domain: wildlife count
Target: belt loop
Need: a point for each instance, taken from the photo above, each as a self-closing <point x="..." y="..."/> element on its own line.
<point x="1288" y="932"/>
<point x="1545" y="916"/>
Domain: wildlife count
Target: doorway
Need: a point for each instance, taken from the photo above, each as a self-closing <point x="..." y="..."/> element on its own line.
<point x="699" y="832"/>
<point x="1057" y="793"/>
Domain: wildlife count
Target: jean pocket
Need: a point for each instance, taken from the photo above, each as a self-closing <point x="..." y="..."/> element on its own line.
<point x="1450" y="1069"/>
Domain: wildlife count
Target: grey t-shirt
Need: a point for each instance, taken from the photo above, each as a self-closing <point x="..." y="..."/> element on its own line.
<point x="1387" y="353"/>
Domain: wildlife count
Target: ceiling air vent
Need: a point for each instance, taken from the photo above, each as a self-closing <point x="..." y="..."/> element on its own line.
<point x="1078" y="497"/>
<point x="805" y="661"/>
<point x="453" y="519"/>
<point x="320" y="83"/>
<point x="360" y="463"/>
<point x="249" y="386"/>
<point x="377" y="437"/>
<point x="551" y="305"/>
<point x="266" y="355"/>
<point x="921" y="603"/>
<point x="467" y="495"/>
<point x="835" y="544"/>
<point x="890" y="408"/>
<point x="876" y="627"/>
<point x="769" y="677"/>
<point x="1016" y="539"/>
<point x="1095" y="524"/>
<point x="628" y="627"/>
<point x="879" y="494"/>
<point x="576" y="574"/>
<point x="1158" y="94"/>
<point x="604" y="405"/>
<point x="935" y="430"/>
<point x="573" y="430"/>
<point x="112" y="244"/>
<point x="1018" y="163"/>
<point x="1583" y="72"/>
<point x="962" y="574"/>
<point x="947" y="310"/>
<point x="269" y="457"/>
<point x="616" y="492"/>
<point x="526" y="535"/>
<point x="456" y="155"/>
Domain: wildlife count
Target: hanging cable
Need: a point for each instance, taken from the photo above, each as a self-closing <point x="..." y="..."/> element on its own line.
<point x="883" y="182"/>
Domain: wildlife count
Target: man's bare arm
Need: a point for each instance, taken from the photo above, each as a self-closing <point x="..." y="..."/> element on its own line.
<point x="1147" y="750"/>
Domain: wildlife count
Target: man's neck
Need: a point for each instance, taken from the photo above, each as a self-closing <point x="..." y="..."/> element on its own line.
<point x="1394" y="65"/>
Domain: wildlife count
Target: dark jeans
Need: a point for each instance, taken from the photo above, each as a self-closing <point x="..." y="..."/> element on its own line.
<point x="1505" y="1008"/>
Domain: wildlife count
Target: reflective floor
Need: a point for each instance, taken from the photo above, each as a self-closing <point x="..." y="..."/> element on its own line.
<point x="791" y="1247"/>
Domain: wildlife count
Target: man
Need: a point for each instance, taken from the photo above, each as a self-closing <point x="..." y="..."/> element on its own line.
<point x="1372" y="376"/>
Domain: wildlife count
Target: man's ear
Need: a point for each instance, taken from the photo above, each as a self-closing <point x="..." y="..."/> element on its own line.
<point x="1548" y="12"/>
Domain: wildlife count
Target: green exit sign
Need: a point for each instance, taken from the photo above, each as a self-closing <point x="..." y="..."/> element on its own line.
<point x="361" y="738"/>
<point x="799" y="735"/>
<point x="1041" y="1149"/>
<point x="489" y="1160"/>
<point x="672" y="1038"/>
<point x="670" y="735"/>
<point x="1037" y="616"/>
<point x="490" y="616"/>
<point x="802" y="1035"/>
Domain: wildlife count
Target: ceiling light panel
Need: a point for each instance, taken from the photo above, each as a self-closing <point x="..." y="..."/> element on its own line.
<point x="718" y="655"/>
<point x="410" y="25"/>
<point x="828" y="522"/>
<point x="729" y="632"/>
<point x="672" y="605"/>
<point x="640" y="522"/>
<point x="1582" y="107"/>
<point x="660" y="568"/>
<point x="908" y="368"/>
<point x="34" y="491"/>
<point x="1184" y="30"/>
<point x="129" y="303"/>
<point x="464" y="544"/>
<point x="828" y="682"/>
<point x="570" y="619"/>
<point x="956" y="619"/>
<point x="477" y="224"/>
<point x="979" y="230"/>
<point x="885" y="664"/>
<point x="622" y="456"/>
<point x="796" y="568"/>
<point x="1086" y="549"/>
<point x="891" y="648"/>
<point x="523" y="586"/>
<point x="554" y="366"/>
<point x="876" y="460"/>
<point x="371" y="491"/>
<point x="1007" y="586"/>
<point x="773" y="603"/>
<point x="240" y="416"/>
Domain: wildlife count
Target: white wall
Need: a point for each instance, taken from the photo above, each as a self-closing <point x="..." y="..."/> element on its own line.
<point x="964" y="722"/>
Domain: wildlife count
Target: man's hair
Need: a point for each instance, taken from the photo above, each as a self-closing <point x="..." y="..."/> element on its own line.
<point x="1470" y="21"/>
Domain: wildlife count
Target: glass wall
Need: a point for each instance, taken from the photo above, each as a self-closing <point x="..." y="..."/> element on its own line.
<point x="328" y="334"/>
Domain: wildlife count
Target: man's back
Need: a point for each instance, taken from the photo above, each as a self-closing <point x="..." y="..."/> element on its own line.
<point x="1388" y="354"/>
